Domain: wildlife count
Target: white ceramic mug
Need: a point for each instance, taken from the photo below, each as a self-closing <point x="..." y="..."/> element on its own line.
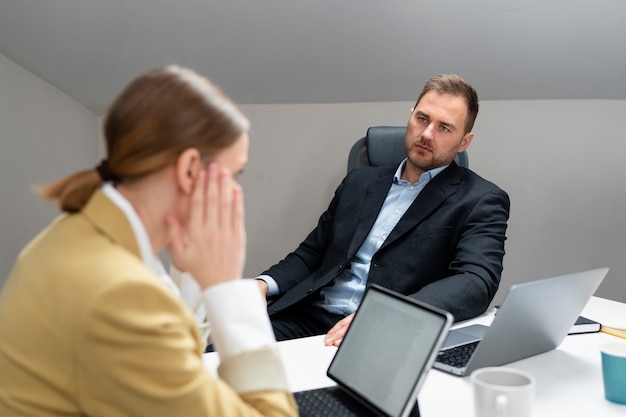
<point x="502" y="392"/>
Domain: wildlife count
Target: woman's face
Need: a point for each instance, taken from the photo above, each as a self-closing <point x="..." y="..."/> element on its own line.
<point x="235" y="157"/>
<point x="232" y="159"/>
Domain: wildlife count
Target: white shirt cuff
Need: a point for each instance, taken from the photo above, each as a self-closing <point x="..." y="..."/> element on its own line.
<point x="238" y="316"/>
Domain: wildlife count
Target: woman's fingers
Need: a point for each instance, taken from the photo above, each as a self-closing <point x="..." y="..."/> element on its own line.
<point x="238" y="223"/>
<point x="210" y="204"/>
<point x="214" y="236"/>
<point x="196" y="206"/>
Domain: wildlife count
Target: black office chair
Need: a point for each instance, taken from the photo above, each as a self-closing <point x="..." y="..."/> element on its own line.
<point x="384" y="145"/>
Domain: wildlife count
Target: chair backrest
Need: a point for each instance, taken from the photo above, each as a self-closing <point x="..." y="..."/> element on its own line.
<point x="384" y="145"/>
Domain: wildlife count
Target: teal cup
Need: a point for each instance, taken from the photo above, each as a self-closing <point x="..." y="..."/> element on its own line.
<point x="614" y="371"/>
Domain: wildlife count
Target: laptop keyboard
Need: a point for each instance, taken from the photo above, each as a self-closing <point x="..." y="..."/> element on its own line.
<point x="331" y="402"/>
<point x="457" y="356"/>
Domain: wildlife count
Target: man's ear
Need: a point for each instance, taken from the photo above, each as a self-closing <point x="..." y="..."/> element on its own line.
<point x="465" y="142"/>
<point x="188" y="165"/>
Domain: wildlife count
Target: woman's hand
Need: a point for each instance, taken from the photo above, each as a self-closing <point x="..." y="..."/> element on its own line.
<point x="212" y="245"/>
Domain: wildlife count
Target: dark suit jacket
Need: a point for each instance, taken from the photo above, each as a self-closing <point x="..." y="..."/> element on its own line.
<point x="446" y="250"/>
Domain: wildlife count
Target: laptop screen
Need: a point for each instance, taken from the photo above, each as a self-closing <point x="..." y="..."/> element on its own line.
<point x="388" y="349"/>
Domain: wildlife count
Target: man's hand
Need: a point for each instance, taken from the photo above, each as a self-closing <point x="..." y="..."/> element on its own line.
<point x="336" y="334"/>
<point x="264" y="289"/>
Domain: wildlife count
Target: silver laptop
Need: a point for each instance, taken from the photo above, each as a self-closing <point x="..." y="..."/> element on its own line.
<point x="535" y="317"/>
<point x="383" y="359"/>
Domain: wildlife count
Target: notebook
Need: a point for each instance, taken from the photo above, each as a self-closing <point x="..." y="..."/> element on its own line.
<point x="535" y="317"/>
<point x="383" y="359"/>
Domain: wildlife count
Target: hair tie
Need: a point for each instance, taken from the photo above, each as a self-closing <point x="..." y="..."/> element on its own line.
<point x="105" y="172"/>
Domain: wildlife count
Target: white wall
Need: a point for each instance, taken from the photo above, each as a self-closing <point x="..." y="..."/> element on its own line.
<point x="44" y="135"/>
<point x="298" y="156"/>
<point x="560" y="161"/>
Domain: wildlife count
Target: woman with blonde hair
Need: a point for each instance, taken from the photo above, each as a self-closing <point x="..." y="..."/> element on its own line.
<point x="89" y="322"/>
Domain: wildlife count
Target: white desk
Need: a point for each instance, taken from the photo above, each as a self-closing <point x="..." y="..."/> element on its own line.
<point x="569" y="378"/>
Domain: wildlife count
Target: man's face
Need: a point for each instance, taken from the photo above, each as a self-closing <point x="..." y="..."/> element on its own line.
<point x="435" y="133"/>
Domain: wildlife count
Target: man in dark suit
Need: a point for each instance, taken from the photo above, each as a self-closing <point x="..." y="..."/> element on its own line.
<point x="427" y="228"/>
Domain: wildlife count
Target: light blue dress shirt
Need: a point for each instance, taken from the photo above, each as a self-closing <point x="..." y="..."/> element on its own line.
<point x="345" y="295"/>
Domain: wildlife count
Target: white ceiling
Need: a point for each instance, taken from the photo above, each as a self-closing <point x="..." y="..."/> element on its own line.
<point x="323" y="51"/>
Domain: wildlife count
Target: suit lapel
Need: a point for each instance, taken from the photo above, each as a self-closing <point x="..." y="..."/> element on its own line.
<point x="371" y="205"/>
<point x="438" y="190"/>
<point x="109" y="220"/>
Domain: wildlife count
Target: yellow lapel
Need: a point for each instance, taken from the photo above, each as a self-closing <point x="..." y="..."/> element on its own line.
<point x="109" y="220"/>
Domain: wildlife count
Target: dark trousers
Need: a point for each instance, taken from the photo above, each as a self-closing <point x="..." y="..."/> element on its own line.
<point x="302" y="321"/>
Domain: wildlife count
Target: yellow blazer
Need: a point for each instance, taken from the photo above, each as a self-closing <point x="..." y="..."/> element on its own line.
<point x="87" y="329"/>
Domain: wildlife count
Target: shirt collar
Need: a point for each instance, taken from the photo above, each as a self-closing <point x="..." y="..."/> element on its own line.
<point x="428" y="175"/>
